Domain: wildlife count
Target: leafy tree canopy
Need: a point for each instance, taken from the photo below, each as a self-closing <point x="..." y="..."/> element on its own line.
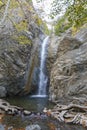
<point x="77" y="13"/>
<point x="76" y="10"/>
<point x="74" y="14"/>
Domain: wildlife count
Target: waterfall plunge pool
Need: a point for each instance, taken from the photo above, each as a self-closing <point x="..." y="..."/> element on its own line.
<point x="31" y="103"/>
<point x="35" y="105"/>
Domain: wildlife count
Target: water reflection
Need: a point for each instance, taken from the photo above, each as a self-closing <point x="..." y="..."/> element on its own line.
<point x="41" y="103"/>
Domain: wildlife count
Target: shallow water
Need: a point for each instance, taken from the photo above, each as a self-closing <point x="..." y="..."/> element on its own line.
<point x="31" y="104"/>
<point x="36" y="105"/>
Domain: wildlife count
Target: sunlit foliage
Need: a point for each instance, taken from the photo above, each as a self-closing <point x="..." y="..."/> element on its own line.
<point x="75" y="14"/>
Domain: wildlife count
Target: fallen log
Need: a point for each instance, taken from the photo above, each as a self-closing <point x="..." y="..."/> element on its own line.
<point x="72" y="106"/>
<point x="75" y="120"/>
<point x="10" y="109"/>
<point x="6" y="108"/>
<point x="69" y="114"/>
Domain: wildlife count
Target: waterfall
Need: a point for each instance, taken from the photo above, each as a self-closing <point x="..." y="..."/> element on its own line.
<point x="42" y="76"/>
<point x="42" y="84"/>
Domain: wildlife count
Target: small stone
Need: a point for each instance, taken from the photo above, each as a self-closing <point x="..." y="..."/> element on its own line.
<point x="2" y="91"/>
<point x="33" y="127"/>
<point x="45" y="110"/>
<point x="10" y="128"/>
<point x="26" y="112"/>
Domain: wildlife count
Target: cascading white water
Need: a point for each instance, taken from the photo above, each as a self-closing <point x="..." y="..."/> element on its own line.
<point x="42" y="76"/>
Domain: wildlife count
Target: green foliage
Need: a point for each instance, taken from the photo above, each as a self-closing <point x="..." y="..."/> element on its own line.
<point x="29" y="1"/>
<point x="23" y="40"/>
<point x="23" y="25"/>
<point x="14" y="4"/>
<point x="77" y="13"/>
<point x="46" y="30"/>
<point x="62" y="25"/>
<point x="38" y="20"/>
<point x="59" y="7"/>
<point x="41" y="24"/>
<point x="1" y="3"/>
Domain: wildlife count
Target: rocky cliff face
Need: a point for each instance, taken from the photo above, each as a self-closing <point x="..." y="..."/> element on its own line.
<point x="69" y="72"/>
<point x="18" y="36"/>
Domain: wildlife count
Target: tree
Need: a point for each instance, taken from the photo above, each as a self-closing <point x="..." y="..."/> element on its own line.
<point x="75" y="10"/>
<point x="77" y="13"/>
<point x="59" y="7"/>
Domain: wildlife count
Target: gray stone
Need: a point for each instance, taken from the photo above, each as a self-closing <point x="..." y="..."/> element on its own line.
<point x="2" y="127"/>
<point x="16" y="47"/>
<point x="52" y="52"/>
<point x="2" y="91"/>
<point x="82" y="35"/>
<point x="33" y="127"/>
<point x="69" y="72"/>
<point x="10" y="128"/>
<point x="25" y="112"/>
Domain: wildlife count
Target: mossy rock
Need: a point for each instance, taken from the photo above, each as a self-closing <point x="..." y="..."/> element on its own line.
<point x="23" y="25"/>
<point x="24" y="40"/>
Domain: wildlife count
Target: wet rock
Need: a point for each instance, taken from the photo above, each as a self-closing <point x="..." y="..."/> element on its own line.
<point x="33" y="71"/>
<point x="33" y="127"/>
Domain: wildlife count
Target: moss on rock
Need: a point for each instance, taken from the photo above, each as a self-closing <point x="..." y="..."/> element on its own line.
<point x="24" y="40"/>
<point x="22" y="25"/>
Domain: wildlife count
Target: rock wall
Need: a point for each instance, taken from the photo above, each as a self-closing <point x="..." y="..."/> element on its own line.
<point x="68" y="78"/>
<point x="52" y="51"/>
<point x="18" y="35"/>
<point x="13" y="61"/>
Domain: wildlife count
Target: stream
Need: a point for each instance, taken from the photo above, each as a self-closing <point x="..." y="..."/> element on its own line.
<point x="36" y="105"/>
